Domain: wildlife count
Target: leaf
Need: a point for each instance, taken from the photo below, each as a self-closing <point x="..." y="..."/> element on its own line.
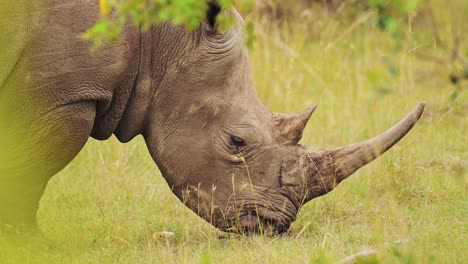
<point x="376" y="3"/>
<point x="205" y="259"/>
<point x="388" y="23"/>
<point x="104" y="8"/>
<point x="406" y="5"/>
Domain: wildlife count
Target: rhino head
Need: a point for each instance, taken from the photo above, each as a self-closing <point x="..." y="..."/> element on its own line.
<point x="225" y="155"/>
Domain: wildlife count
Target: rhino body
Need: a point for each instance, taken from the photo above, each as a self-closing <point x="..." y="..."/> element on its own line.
<point x="190" y="94"/>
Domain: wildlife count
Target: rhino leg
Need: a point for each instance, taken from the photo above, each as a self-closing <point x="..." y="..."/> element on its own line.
<point x="49" y="141"/>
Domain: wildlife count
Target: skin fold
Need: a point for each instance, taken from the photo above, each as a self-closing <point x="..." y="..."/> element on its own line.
<point x="189" y="93"/>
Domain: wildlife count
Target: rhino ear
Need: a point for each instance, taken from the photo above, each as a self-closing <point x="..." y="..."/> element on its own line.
<point x="213" y="10"/>
<point x="288" y="128"/>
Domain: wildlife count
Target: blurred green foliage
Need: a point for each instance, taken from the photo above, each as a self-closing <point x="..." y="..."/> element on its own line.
<point x="115" y="14"/>
<point x="144" y="13"/>
<point x="388" y="10"/>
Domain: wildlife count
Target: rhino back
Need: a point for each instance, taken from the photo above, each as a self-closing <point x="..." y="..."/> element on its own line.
<point x="51" y="66"/>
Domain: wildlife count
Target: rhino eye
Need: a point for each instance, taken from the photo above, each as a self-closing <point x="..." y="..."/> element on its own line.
<point x="237" y="141"/>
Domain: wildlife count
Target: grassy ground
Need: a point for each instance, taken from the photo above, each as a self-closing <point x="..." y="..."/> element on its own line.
<point x="410" y="205"/>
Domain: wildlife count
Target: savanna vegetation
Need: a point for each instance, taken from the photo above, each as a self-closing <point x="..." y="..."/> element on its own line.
<point x="365" y="64"/>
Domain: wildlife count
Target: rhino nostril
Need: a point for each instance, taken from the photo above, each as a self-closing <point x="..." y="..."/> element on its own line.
<point x="249" y="221"/>
<point x="248" y="214"/>
<point x="281" y="228"/>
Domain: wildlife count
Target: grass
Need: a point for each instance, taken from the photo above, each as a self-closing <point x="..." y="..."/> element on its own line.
<point x="410" y="205"/>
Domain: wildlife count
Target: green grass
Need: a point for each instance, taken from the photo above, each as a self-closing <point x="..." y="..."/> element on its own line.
<point x="410" y="205"/>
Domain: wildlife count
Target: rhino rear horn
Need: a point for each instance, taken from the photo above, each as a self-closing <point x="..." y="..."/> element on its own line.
<point x="288" y="128"/>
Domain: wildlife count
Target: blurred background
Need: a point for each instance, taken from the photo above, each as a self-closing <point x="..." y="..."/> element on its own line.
<point x="365" y="63"/>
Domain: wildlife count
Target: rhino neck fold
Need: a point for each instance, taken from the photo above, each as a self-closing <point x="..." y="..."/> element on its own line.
<point x="158" y="53"/>
<point x="115" y="87"/>
<point x="134" y="116"/>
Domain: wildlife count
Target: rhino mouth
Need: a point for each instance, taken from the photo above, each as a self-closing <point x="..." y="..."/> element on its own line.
<point x="253" y="221"/>
<point x="257" y="219"/>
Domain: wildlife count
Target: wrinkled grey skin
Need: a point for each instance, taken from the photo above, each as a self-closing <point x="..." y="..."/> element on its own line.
<point x="190" y="94"/>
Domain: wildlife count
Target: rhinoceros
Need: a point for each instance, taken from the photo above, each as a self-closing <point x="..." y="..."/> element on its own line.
<point x="190" y="95"/>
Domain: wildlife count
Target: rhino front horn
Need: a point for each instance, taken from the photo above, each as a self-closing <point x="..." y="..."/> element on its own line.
<point x="328" y="167"/>
<point x="350" y="158"/>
